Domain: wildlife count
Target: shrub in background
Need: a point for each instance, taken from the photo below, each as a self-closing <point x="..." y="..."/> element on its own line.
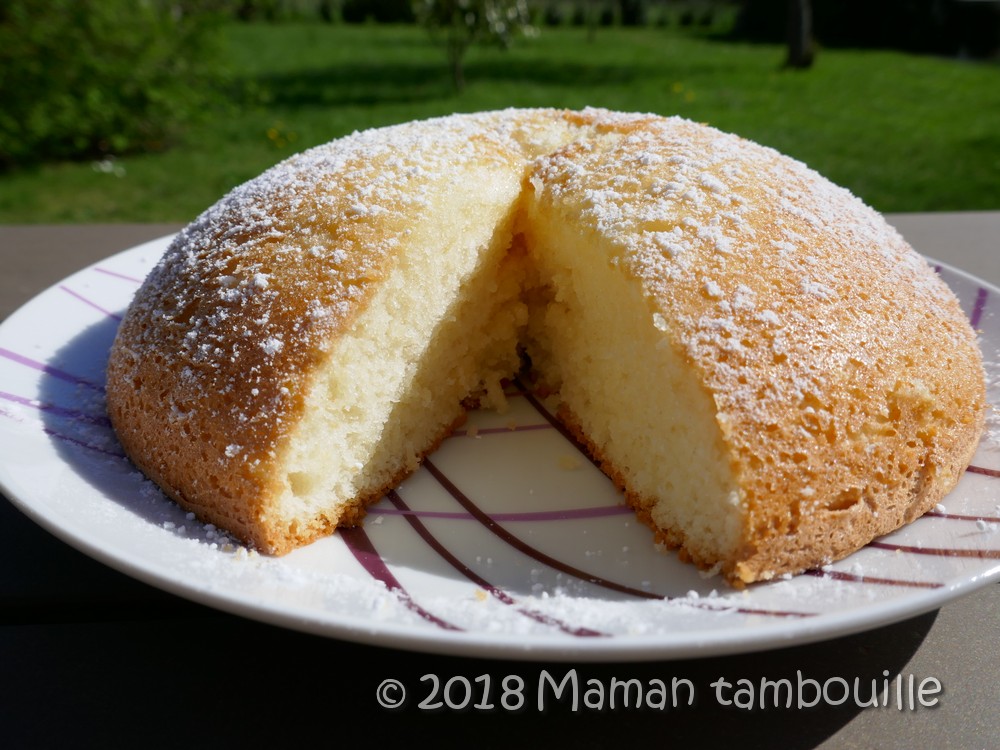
<point x="91" y="78"/>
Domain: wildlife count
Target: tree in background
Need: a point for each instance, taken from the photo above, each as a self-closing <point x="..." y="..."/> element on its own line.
<point x="801" y="45"/>
<point x="458" y="24"/>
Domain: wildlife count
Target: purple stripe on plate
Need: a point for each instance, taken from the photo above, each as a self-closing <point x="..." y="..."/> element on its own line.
<point x="551" y="419"/>
<point x="984" y="470"/>
<point x="364" y="551"/>
<point x="74" y="414"/>
<point x="82" y="444"/>
<point x="500" y="430"/>
<point x="466" y="571"/>
<point x="839" y="575"/>
<point x="542" y="515"/>
<point x="982" y="554"/>
<point x="980" y="305"/>
<point x="524" y="547"/>
<point x="86" y="301"/>
<point x="490" y="523"/>
<point x="48" y="369"/>
<point x="116" y="274"/>
<point x="723" y="608"/>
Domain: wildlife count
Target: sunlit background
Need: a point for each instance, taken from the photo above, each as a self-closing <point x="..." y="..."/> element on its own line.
<point x="149" y="110"/>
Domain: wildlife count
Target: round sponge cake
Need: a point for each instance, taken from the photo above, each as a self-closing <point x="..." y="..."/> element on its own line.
<point x="763" y="365"/>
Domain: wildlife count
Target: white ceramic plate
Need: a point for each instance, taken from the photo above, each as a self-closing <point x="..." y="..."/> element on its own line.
<point x="509" y="543"/>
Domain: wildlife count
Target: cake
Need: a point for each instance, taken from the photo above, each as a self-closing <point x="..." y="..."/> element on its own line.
<point x="768" y="371"/>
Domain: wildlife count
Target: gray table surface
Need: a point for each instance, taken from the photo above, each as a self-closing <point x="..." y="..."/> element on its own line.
<point x="91" y="658"/>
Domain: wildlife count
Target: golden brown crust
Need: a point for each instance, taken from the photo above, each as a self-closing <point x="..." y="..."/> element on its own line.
<point x="847" y="381"/>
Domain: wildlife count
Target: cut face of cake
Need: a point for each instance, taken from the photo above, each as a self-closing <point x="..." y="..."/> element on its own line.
<point x="770" y="374"/>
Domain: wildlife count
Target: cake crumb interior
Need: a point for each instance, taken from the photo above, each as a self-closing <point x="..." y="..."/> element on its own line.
<point x="442" y="327"/>
<point x="472" y="304"/>
<point x="599" y="344"/>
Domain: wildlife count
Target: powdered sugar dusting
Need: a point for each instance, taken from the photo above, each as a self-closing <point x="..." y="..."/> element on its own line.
<point x="272" y="346"/>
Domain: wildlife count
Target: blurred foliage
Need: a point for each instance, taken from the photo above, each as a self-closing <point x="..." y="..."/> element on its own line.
<point x="903" y="132"/>
<point x="92" y="78"/>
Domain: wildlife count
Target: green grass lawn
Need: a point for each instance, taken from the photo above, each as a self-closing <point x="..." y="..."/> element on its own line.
<point x="905" y="133"/>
